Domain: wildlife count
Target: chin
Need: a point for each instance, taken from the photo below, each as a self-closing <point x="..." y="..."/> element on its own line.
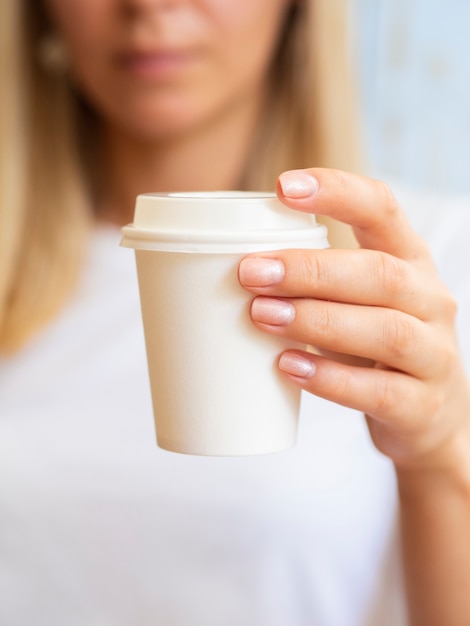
<point x="155" y="130"/>
<point x="153" y="123"/>
<point x="160" y="126"/>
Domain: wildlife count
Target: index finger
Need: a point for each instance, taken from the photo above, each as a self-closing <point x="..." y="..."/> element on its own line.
<point x="368" y="205"/>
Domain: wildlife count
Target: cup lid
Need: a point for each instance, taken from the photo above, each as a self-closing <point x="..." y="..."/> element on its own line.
<point x="219" y="221"/>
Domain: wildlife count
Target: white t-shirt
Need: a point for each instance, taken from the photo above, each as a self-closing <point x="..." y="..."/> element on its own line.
<point x="99" y="527"/>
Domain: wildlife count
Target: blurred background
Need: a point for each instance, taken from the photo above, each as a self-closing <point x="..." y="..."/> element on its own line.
<point x="414" y="60"/>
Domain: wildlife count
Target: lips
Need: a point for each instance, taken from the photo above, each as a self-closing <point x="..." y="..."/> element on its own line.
<point x="154" y="64"/>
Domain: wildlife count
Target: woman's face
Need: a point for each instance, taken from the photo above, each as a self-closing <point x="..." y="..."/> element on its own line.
<point x="160" y="67"/>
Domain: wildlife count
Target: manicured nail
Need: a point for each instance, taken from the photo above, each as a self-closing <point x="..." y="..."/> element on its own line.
<point x="298" y="184"/>
<point x="272" y="311"/>
<point x="260" y="272"/>
<point x="297" y="365"/>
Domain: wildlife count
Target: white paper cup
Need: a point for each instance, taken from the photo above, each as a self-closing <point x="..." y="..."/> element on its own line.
<point x="215" y="383"/>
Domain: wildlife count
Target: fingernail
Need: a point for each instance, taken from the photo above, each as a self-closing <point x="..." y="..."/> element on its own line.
<point x="260" y="272"/>
<point x="272" y="311"/>
<point x="298" y="184"/>
<point x="297" y="365"/>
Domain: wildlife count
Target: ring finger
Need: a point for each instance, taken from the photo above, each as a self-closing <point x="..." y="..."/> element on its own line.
<point x="396" y="339"/>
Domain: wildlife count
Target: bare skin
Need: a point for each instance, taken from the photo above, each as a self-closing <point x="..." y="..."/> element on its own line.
<point x="383" y="303"/>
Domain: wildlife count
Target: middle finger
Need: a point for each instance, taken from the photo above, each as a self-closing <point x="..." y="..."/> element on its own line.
<point x="355" y="276"/>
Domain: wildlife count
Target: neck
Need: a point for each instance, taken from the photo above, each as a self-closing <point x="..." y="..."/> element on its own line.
<point x="210" y="157"/>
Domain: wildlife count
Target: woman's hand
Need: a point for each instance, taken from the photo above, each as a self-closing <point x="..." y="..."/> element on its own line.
<point x="384" y="325"/>
<point x="383" y="306"/>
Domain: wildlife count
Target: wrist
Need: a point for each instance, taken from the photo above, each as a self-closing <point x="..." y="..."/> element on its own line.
<point x="448" y="467"/>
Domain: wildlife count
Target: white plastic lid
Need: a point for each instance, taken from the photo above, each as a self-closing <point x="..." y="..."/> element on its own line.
<point x="214" y="222"/>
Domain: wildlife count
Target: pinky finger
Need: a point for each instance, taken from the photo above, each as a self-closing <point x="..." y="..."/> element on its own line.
<point x="385" y="395"/>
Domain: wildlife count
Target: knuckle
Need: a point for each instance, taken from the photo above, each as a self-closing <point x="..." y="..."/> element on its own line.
<point x="449" y="306"/>
<point x="448" y="356"/>
<point x="327" y="324"/>
<point x="390" y="204"/>
<point x="398" y="335"/>
<point x="384" y="395"/>
<point x="390" y="273"/>
<point x="342" y="386"/>
<point x="432" y="404"/>
<point x="312" y="269"/>
<point x="340" y="181"/>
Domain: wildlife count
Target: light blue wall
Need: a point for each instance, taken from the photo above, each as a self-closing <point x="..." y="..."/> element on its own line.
<point x="414" y="59"/>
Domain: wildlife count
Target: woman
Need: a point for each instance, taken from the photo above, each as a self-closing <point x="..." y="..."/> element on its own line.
<point x="99" y="527"/>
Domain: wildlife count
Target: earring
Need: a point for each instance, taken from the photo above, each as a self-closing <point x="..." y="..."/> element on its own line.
<point x="52" y="55"/>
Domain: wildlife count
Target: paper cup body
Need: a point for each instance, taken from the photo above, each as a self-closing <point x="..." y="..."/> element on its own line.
<point x="216" y="387"/>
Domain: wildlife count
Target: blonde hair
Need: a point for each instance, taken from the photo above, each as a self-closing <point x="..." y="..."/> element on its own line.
<point x="45" y="206"/>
